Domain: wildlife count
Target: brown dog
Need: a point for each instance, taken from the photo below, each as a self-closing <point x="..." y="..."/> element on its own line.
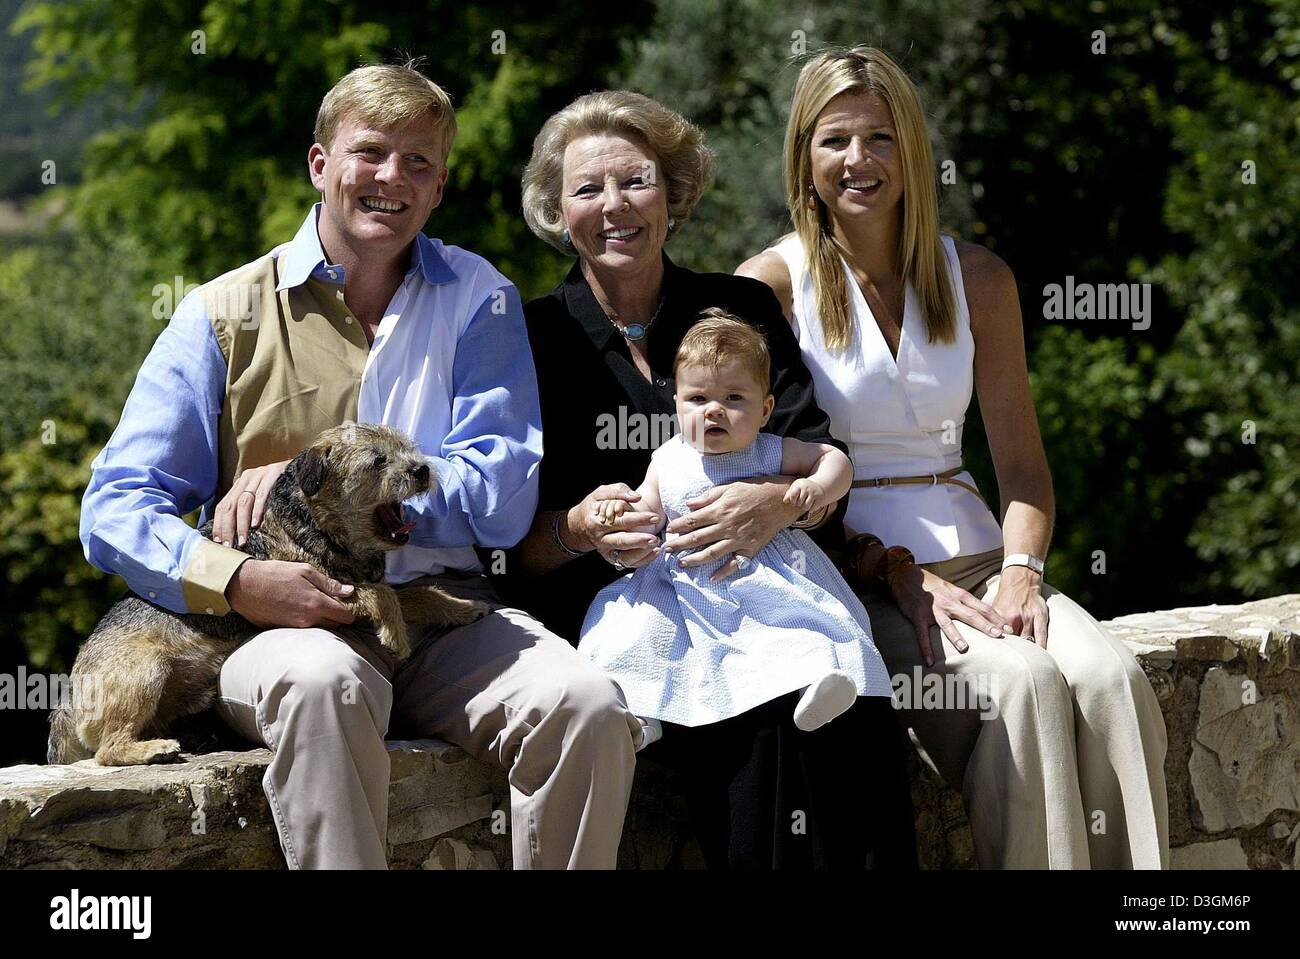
<point x="338" y="507"/>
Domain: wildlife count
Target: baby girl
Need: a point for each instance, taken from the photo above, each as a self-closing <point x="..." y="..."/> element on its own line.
<point x="690" y="651"/>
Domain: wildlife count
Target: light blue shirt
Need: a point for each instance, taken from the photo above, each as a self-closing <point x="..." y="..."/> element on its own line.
<point x="450" y="365"/>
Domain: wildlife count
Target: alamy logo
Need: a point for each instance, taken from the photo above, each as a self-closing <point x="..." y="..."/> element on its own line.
<point x="918" y="690"/>
<point x="50" y="691"/>
<point x="1093" y="301"/>
<point x="75" y="912"/>
<point x="634" y="431"/>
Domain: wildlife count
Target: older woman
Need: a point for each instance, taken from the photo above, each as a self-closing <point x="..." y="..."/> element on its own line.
<point x="1064" y="767"/>
<point x="612" y="177"/>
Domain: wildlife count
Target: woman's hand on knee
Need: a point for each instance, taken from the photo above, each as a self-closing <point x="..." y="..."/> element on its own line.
<point x="1020" y="604"/>
<point x="929" y="600"/>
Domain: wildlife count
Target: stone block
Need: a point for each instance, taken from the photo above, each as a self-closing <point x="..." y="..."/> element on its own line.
<point x="1227" y="679"/>
<point x="1245" y="755"/>
<point x="1221" y="854"/>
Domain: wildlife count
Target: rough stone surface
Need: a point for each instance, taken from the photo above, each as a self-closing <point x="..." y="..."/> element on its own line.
<point x="1227" y="678"/>
<point x="1245" y="754"/>
<point x="1221" y="854"/>
<point x="211" y="812"/>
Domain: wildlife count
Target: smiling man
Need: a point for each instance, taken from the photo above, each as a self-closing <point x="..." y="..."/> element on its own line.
<point x="361" y="316"/>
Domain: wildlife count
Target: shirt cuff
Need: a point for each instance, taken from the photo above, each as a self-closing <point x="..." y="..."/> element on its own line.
<point x="204" y="582"/>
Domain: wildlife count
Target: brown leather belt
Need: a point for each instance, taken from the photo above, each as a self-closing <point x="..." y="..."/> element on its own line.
<point x="929" y="479"/>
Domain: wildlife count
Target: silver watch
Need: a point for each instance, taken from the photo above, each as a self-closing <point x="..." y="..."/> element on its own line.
<point x="1024" y="559"/>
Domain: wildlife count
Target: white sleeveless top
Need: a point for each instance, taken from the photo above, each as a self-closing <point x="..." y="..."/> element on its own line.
<point x="899" y="417"/>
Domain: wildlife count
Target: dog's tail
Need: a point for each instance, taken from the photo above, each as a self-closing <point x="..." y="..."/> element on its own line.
<point x="64" y="746"/>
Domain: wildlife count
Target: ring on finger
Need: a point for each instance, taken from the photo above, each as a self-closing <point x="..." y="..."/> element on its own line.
<point x="742" y="561"/>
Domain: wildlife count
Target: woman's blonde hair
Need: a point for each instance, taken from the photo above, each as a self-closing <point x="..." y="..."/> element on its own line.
<point x="386" y="95"/>
<point x="920" y="250"/>
<point x="720" y="336"/>
<point x="685" y="163"/>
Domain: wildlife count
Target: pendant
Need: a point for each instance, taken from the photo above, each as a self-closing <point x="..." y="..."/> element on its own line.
<point x="634" y="331"/>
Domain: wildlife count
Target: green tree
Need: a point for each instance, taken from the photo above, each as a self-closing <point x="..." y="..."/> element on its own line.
<point x="214" y="171"/>
<point x="1232" y="377"/>
<point x="77" y="323"/>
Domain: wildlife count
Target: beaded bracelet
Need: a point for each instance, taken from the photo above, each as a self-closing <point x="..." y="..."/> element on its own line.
<point x="855" y="549"/>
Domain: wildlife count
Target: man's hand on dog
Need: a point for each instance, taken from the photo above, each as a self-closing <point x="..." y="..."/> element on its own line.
<point x="272" y="593"/>
<point x="242" y="507"/>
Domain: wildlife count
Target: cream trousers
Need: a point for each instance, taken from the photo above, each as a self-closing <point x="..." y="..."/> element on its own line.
<point x="1066" y="768"/>
<point x="503" y="688"/>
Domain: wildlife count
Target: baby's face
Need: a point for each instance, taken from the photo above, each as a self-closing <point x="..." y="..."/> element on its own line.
<point x="720" y="410"/>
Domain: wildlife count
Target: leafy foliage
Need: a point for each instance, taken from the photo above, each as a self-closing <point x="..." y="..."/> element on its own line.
<point x="1233" y="373"/>
<point x="211" y="167"/>
<point x="77" y="324"/>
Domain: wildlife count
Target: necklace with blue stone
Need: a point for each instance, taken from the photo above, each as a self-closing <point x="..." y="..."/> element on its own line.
<point x="637" y="331"/>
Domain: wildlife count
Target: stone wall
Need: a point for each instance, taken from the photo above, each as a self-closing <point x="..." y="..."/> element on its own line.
<point x="1228" y="680"/>
<point x="1227" y="677"/>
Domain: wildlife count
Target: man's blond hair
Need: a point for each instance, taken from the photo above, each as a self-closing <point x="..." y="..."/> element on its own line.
<point x="386" y="96"/>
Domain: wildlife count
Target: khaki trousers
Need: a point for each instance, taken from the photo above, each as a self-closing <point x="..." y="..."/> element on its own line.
<point x="1067" y="770"/>
<point x="504" y="689"/>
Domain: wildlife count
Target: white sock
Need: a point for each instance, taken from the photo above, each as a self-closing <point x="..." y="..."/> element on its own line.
<point x="651" y="731"/>
<point x="825" y="699"/>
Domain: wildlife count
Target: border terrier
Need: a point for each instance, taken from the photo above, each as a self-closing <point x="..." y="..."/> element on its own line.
<point x="338" y="507"/>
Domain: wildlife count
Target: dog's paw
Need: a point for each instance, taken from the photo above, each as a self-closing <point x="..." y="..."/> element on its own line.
<point x="160" y="751"/>
<point x="467" y="611"/>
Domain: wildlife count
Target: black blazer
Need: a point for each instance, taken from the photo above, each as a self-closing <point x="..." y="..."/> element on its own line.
<point x="591" y="393"/>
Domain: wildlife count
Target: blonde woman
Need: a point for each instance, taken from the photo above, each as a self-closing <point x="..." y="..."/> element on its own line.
<point x="1063" y="768"/>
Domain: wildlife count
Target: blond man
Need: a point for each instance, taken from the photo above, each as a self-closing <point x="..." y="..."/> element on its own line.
<point x="361" y="316"/>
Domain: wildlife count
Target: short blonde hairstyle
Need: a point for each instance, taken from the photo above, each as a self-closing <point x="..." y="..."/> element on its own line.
<point x="719" y="337"/>
<point x="386" y="96"/>
<point x="920" y="250"/>
<point x="685" y="163"/>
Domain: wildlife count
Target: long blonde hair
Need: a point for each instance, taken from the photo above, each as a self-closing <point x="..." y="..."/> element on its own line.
<point x="920" y="252"/>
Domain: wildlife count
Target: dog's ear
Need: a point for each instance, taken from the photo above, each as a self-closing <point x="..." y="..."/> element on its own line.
<point x="311" y="469"/>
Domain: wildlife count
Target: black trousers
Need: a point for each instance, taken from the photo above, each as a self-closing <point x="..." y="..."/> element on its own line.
<point x="764" y="794"/>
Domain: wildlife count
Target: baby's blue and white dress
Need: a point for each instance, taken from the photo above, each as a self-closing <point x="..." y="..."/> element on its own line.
<point x="688" y="651"/>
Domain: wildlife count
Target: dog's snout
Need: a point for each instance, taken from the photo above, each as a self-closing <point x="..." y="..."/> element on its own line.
<point x="420" y="473"/>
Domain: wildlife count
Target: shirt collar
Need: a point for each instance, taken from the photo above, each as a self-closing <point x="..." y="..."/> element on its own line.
<point x="581" y="303"/>
<point x="304" y="258"/>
